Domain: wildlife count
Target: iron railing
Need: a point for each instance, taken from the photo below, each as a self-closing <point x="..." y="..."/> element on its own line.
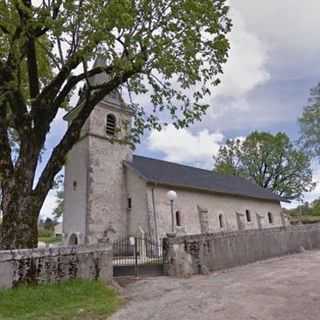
<point x="137" y="250"/>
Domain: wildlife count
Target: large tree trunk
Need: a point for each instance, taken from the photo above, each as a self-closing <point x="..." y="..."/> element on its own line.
<point x="20" y="219"/>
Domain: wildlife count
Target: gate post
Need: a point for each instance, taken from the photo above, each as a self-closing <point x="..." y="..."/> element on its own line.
<point x="136" y="256"/>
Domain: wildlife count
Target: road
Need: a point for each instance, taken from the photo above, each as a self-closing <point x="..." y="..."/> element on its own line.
<point x="286" y="288"/>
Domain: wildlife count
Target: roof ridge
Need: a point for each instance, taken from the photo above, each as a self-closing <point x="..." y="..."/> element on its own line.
<point x="177" y="164"/>
<point x="211" y="172"/>
<point x="235" y="182"/>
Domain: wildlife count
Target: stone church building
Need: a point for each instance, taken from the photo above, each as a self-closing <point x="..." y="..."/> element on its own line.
<point x="110" y="192"/>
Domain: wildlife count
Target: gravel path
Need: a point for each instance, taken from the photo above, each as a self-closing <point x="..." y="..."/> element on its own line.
<point x="286" y="288"/>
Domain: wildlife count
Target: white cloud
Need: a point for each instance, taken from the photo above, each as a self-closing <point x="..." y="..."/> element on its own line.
<point x="184" y="146"/>
<point x="286" y="23"/>
<point x="246" y="65"/>
<point x="245" y="70"/>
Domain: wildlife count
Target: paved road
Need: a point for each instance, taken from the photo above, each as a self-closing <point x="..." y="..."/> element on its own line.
<point x="286" y="288"/>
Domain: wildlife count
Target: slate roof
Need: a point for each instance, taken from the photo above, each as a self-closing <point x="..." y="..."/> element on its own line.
<point x="173" y="174"/>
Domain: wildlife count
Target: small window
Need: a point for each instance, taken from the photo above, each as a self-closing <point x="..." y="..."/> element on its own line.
<point x="111" y="125"/>
<point x="178" y="218"/>
<point x="75" y="184"/>
<point x="248" y="216"/>
<point x="129" y="203"/>
<point x="73" y="240"/>
<point x="270" y="217"/>
<point x="221" y="220"/>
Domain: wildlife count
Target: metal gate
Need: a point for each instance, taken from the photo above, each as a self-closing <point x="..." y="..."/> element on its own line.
<point x="137" y="256"/>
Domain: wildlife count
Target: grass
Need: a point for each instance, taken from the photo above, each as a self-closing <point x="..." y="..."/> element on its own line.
<point x="76" y="299"/>
<point x="306" y="219"/>
<point x="50" y="240"/>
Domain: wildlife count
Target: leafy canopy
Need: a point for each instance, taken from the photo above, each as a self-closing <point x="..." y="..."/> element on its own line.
<point x="310" y="123"/>
<point x="271" y="161"/>
<point x="173" y="51"/>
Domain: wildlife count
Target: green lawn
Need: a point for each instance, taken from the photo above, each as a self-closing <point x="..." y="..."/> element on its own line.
<point x="306" y="219"/>
<point x="50" y="239"/>
<point x="81" y="300"/>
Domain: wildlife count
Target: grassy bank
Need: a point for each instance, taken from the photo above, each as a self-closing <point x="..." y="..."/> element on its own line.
<point x="81" y="300"/>
<point x="305" y="219"/>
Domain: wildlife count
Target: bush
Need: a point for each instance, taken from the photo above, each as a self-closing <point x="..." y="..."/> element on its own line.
<point x="44" y="233"/>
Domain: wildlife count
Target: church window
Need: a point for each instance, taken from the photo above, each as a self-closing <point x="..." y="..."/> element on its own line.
<point x="248" y="216"/>
<point x="221" y="221"/>
<point x="270" y="218"/>
<point x="178" y="218"/>
<point x="129" y="203"/>
<point x="111" y="124"/>
<point x="73" y="240"/>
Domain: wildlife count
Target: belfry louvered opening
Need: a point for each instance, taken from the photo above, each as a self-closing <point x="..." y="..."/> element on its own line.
<point x="111" y="125"/>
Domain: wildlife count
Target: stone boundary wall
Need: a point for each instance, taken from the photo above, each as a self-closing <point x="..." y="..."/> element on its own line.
<point x="55" y="264"/>
<point x="196" y="254"/>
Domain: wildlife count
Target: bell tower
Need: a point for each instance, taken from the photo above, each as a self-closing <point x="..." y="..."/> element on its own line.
<point x="95" y="188"/>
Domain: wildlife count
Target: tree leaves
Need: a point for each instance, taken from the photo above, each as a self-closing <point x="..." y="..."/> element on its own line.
<point x="271" y="161"/>
<point x="170" y="50"/>
<point x="310" y="123"/>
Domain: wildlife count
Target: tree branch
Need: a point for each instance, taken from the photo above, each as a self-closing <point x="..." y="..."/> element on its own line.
<point x="51" y="90"/>
<point x="6" y="165"/>
<point x="72" y="135"/>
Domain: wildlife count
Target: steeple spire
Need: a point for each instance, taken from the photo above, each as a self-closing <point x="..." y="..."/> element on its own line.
<point x="113" y="98"/>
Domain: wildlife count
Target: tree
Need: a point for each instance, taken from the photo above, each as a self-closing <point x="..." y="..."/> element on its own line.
<point x="48" y="224"/>
<point x="271" y="161"/>
<point x="59" y="209"/>
<point x="310" y="123"/>
<point x="173" y="51"/>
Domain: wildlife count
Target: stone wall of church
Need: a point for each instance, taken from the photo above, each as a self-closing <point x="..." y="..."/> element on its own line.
<point x="75" y="190"/>
<point x="137" y="192"/>
<point x="199" y="208"/>
<point x="107" y="195"/>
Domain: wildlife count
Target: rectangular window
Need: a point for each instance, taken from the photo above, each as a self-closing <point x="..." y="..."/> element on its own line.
<point x="129" y="203"/>
<point x="248" y="216"/>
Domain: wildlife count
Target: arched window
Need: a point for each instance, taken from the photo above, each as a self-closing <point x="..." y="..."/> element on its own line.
<point x="270" y="217"/>
<point x="111" y="125"/>
<point x="248" y="215"/>
<point x="221" y="221"/>
<point x="178" y="218"/>
<point x="73" y="240"/>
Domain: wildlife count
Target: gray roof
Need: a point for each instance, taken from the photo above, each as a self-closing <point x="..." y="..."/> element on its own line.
<point x="173" y="174"/>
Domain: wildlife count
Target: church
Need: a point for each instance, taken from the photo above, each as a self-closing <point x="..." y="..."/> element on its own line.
<point x="111" y="192"/>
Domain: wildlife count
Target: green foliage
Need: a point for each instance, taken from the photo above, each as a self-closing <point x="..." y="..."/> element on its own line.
<point x="271" y="161"/>
<point x="310" y="123"/>
<point x="180" y="46"/>
<point x="172" y="52"/>
<point x="304" y="219"/>
<point x="305" y="213"/>
<point x="68" y="300"/>
<point x="45" y="233"/>
<point x="52" y="239"/>
<point x="59" y="208"/>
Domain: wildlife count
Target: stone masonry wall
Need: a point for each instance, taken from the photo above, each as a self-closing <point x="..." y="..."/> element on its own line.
<point x="196" y="254"/>
<point x="192" y="204"/>
<point x="55" y="264"/>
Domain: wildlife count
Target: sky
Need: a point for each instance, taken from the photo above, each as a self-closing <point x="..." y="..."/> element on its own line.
<point x="273" y="64"/>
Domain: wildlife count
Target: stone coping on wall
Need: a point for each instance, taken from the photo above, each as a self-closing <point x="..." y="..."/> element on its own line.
<point x="202" y="253"/>
<point x="203" y="236"/>
<point x="12" y="255"/>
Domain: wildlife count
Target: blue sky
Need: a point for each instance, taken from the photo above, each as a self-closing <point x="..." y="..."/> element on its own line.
<point x="273" y="64"/>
